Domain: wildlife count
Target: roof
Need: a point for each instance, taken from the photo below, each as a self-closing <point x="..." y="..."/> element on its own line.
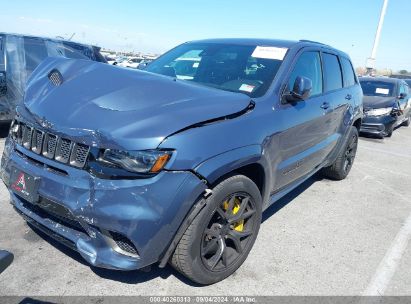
<point x="250" y="41"/>
<point x="267" y="42"/>
<point x="46" y="38"/>
<point x="384" y="79"/>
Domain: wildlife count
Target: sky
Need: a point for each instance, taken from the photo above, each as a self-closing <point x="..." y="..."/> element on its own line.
<point x="158" y="25"/>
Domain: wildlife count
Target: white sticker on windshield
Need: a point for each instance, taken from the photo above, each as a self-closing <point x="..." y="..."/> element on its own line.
<point x="269" y="52"/>
<point x="196" y="64"/>
<point x="382" y="91"/>
<point x="246" y="88"/>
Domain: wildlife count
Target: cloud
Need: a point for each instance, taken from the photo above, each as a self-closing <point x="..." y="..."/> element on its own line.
<point x="36" y="20"/>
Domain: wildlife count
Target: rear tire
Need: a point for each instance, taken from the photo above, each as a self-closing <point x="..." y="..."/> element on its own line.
<point x="219" y="239"/>
<point x="343" y="164"/>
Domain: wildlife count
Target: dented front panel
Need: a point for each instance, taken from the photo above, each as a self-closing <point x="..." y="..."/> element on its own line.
<point x="146" y="211"/>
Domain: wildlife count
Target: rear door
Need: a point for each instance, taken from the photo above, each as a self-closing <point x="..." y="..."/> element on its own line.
<point x="408" y="105"/>
<point x="303" y="143"/>
<point x="2" y="54"/>
<point x="336" y="95"/>
<point x="404" y="104"/>
<point x="3" y="82"/>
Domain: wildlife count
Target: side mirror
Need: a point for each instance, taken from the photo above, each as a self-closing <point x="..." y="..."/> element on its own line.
<point x="6" y="258"/>
<point x="3" y="84"/>
<point x="301" y="89"/>
<point x="402" y="96"/>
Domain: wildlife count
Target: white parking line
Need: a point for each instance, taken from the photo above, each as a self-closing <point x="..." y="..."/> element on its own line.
<point x="382" y="169"/>
<point x="389" y="264"/>
<point x="386" y="152"/>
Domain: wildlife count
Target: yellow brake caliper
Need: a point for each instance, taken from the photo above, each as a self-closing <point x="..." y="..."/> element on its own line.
<point x="238" y="226"/>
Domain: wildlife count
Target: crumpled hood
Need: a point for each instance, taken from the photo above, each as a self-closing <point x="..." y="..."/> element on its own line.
<point x="124" y="108"/>
<point x="375" y="102"/>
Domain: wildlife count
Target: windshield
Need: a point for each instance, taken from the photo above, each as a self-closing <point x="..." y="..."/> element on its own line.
<point x="377" y="88"/>
<point x="238" y="68"/>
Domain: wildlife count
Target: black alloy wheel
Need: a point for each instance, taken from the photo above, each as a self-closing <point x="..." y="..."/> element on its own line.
<point x="350" y="152"/>
<point x="221" y="236"/>
<point x="228" y="232"/>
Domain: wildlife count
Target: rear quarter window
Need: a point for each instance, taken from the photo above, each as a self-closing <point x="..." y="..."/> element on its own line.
<point x="348" y="72"/>
<point x="332" y="72"/>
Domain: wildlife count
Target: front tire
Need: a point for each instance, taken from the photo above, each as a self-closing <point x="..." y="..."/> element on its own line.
<point x="220" y="238"/>
<point x="389" y="131"/>
<point x="407" y="122"/>
<point x="343" y="164"/>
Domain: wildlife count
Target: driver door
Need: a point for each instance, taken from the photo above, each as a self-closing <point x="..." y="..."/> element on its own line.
<point x="303" y="140"/>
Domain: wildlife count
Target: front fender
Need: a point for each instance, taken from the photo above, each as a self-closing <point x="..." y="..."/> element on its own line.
<point x="217" y="166"/>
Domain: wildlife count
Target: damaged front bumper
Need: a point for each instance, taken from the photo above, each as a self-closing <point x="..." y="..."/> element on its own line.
<point x="378" y="125"/>
<point x="116" y="224"/>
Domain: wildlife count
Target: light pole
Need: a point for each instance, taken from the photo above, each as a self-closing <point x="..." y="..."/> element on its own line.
<point x="370" y="65"/>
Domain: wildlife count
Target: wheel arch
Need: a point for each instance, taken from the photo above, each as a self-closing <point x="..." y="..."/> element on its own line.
<point x="248" y="161"/>
<point x="357" y="123"/>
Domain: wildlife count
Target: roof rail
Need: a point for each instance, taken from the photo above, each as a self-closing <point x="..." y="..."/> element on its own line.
<point x="311" y="41"/>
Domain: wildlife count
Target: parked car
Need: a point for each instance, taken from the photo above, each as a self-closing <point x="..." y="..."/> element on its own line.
<point x="111" y="60"/>
<point x="144" y="63"/>
<point x="144" y="167"/>
<point x="386" y="105"/>
<point x="132" y="62"/>
<point x="20" y="55"/>
<point x="6" y="258"/>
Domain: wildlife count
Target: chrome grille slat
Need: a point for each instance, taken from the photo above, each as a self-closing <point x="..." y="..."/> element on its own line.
<point x="63" y="150"/>
<point x="79" y="155"/>
<point x="52" y="146"/>
<point x="37" y="141"/>
<point x="27" y="133"/>
<point x="49" y="145"/>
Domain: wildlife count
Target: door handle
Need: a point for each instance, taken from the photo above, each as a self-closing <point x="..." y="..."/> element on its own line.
<point x="325" y="105"/>
<point x="348" y="97"/>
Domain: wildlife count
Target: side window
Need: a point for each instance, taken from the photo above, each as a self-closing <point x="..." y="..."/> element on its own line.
<point x="2" y="68"/>
<point x="77" y="51"/>
<point x="308" y="65"/>
<point x="348" y="72"/>
<point x="16" y="76"/>
<point x="332" y="69"/>
<point x="186" y="66"/>
<point x="35" y="52"/>
<point x="403" y="89"/>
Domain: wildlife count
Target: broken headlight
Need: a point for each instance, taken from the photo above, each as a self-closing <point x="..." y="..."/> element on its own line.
<point x="379" y="112"/>
<point x="14" y="129"/>
<point x="150" y="161"/>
